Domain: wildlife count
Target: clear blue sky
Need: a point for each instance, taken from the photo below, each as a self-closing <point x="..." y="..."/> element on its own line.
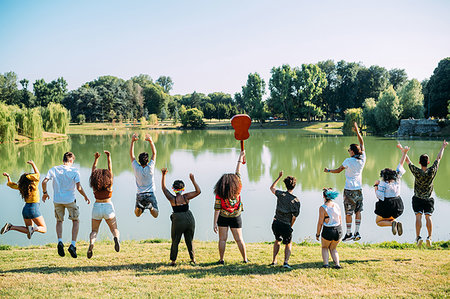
<point x="213" y="45"/>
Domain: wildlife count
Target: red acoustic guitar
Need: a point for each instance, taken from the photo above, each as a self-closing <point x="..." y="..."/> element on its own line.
<point x="241" y="123"/>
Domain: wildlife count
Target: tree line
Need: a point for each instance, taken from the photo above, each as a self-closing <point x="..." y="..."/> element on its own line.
<point x="325" y="90"/>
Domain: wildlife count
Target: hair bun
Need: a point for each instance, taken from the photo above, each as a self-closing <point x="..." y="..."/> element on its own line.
<point x="331" y="194"/>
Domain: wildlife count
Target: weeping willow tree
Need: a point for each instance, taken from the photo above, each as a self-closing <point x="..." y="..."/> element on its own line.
<point x="55" y="118"/>
<point x="33" y="126"/>
<point x="7" y="123"/>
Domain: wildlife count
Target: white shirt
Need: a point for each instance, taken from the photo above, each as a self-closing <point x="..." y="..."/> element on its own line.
<point x="144" y="176"/>
<point x="334" y="212"/>
<point x="390" y="189"/>
<point x="64" y="179"/>
<point x="353" y="172"/>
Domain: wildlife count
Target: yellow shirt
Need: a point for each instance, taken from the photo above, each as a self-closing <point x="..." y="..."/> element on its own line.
<point x="33" y="196"/>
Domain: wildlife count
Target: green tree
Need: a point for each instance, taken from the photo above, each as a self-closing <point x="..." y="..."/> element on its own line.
<point x="397" y="77"/>
<point x="346" y="84"/>
<point x="52" y="92"/>
<point x="55" y="118"/>
<point x="7" y="123"/>
<point x="438" y="90"/>
<point x="143" y="80"/>
<point x="155" y="99"/>
<point x="209" y="111"/>
<point x="411" y="100"/>
<point x="370" y="121"/>
<point x="328" y="96"/>
<point x="193" y="118"/>
<point x="252" y="94"/>
<point x="166" y="83"/>
<point x="26" y="97"/>
<point x="8" y="88"/>
<point x="387" y="111"/>
<point x="352" y="115"/>
<point x="371" y="82"/>
<point x="281" y="85"/>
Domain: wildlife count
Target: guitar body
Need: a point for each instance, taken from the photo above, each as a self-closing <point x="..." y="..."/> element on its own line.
<point x="241" y="123"/>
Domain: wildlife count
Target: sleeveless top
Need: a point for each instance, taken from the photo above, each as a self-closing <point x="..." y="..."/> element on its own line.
<point x="333" y="213"/>
<point x="103" y="194"/>
<point x="180" y="208"/>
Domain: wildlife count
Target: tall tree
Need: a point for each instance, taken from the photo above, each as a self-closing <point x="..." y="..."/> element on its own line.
<point x="411" y="99"/>
<point x="52" y="92"/>
<point x="281" y="86"/>
<point x="252" y="94"/>
<point x="8" y="88"/>
<point x="371" y="82"/>
<point x="155" y="99"/>
<point x="143" y="80"/>
<point x="387" y="111"/>
<point x="397" y="77"/>
<point x="166" y="83"/>
<point x="438" y="90"/>
<point x="347" y="85"/>
<point x="328" y="96"/>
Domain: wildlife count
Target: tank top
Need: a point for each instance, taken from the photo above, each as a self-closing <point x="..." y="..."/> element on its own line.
<point x="103" y="194"/>
<point x="333" y="213"/>
<point x="180" y="208"/>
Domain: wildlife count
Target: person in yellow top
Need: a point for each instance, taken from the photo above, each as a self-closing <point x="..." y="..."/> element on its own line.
<point x="28" y="187"/>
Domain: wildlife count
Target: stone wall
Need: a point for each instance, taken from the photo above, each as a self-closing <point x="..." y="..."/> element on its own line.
<point x="417" y="127"/>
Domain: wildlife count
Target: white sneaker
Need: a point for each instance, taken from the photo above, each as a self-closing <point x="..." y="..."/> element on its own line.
<point x="419" y="241"/>
<point x="429" y="243"/>
<point x="30" y="231"/>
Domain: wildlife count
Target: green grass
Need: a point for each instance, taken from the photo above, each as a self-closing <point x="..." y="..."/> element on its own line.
<point x="141" y="269"/>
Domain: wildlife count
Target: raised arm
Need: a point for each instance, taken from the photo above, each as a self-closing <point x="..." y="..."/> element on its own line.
<point x="239" y="162"/>
<point x="272" y="187"/>
<point x="358" y="134"/>
<point x="337" y="170"/>
<point x="191" y="195"/>
<point x="152" y="145"/>
<point x="134" y="138"/>
<point x="35" y="169"/>
<point x="404" y="154"/>
<point x="320" y="222"/>
<point x="7" y="176"/>
<point x="108" y="157"/>
<point x="96" y="156"/>
<point x="441" y="152"/>
<point x="166" y="192"/>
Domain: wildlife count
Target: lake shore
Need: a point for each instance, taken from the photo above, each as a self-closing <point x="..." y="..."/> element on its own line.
<point x="141" y="269"/>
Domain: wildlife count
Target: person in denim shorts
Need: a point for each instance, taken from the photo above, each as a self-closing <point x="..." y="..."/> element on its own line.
<point x="66" y="179"/>
<point x="353" y="197"/>
<point x="145" y="183"/>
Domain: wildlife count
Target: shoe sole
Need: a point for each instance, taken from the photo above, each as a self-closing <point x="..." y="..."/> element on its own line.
<point x="61" y="251"/>
<point x="394" y="227"/>
<point x="90" y="253"/>
<point x="399" y="228"/>
<point x="116" y="244"/>
<point x="428" y="243"/>
<point x="4" y="229"/>
<point x="357" y="238"/>
<point x="72" y="253"/>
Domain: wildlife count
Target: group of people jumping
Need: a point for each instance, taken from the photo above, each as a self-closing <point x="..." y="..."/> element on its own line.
<point x="228" y="204"/>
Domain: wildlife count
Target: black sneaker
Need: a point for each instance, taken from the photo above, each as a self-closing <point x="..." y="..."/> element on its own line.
<point x="326" y="266"/>
<point x="246" y="261"/>
<point x="287" y="266"/>
<point x="348" y="237"/>
<point x="61" y="249"/>
<point x="116" y="244"/>
<point x="357" y="237"/>
<point x="419" y="241"/>
<point x="89" y="252"/>
<point x="6" y="228"/>
<point x="73" y="251"/>
<point x="337" y="267"/>
<point x="220" y="263"/>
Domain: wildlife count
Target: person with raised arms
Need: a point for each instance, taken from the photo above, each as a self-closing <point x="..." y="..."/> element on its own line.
<point x="353" y="197"/>
<point x="144" y="173"/>
<point x="183" y="222"/>
<point x="101" y="182"/>
<point x="28" y="187"/>
<point x="66" y="179"/>
<point x="390" y="205"/>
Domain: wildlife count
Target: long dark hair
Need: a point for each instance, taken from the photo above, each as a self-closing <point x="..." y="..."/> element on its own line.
<point x="25" y="186"/>
<point x="389" y="175"/>
<point x="100" y="180"/>
<point x="356" y="150"/>
<point x="228" y="186"/>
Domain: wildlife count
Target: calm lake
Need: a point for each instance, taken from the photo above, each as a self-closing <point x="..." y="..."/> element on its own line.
<point x="209" y="154"/>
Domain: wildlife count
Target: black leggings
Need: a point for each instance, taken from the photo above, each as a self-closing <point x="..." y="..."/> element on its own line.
<point x="182" y="223"/>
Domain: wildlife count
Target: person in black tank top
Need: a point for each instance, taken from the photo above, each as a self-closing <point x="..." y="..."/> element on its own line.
<point x="183" y="222"/>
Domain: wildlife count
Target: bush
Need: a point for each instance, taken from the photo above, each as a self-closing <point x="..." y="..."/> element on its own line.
<point x="143" y="122"/>
<point x="352" y="115"/>
<point x="193" y="118"/>
<point x="7" y="123"/>
<point x="387" y="111"/>
<point x="153" y="119"/>
<point x="369" y="106"/>
<point x="81" y="119"/>
<point x="55" y="118"/>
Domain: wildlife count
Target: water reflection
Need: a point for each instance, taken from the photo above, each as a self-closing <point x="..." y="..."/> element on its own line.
<point x="208" y="154"/>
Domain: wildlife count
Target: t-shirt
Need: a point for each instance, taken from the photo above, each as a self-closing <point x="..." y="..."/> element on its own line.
<point x="353" y="172"/>
<point x="390" y="189"/>
<point x="33" y="196"/>
<point x="287" y="206"/>
<point x="423" y="185"/>
<point x="145" y="181"/>
<point x="229" y="207"/>
<point x="64" y="179"/>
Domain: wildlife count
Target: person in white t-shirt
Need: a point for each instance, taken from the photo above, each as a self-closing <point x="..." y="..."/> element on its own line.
<point x="390" y="205"/>
<point x="353" y="198"/>
<point x="66" y="179"/>
<point x="144" y="172"/>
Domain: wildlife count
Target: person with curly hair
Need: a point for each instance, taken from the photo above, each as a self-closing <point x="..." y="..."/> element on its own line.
<point x="28" y="188"/>
<point x="390" y="205"/>
<point x="287" y="211"/>
<point x="101" y="182"/>
<point x="330" y="223"/>
<point x="183" y="222"/>
<point x="227" y="210"/>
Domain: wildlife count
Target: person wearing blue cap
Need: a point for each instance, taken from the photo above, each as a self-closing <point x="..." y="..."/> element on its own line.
<point x="330" y="224"/>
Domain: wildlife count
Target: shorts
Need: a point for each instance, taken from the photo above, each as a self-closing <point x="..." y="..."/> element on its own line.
<point x="353" y="201"/>
<point x="146" y="200"/>
<point x="74" y="210"/>
<point x="423" y="206"/>
<point x="31" y="210"/>
<point x="282" y="231"/>
<point x="232" y="222"/>
<point x="389" y="207"/>
<point x="103" y="210"/>
<point x="332" y="233"/>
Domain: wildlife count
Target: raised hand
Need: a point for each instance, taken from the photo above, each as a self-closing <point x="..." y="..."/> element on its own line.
<point x="280" y="174"/>
<point x="242" y="155"/>
<point x="148" y="138"/>
<point x="107" y="153"/>
<point x="444" y="144"/>
<point x="97" y="155"/>
<point x="5" y="174"/>
<point x="325" y="170"/>
<point x="164" y="171"/>
<point x="134" y="137"/>
<point x="399" y="146"/>
<point x="355" y="127"/>
<point x="30" y="162"/>
<point x="191" y="176"/>
<point x="405" y="149"/>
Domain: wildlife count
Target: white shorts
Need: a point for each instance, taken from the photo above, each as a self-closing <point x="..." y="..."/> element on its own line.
<point x="103" y="210"/>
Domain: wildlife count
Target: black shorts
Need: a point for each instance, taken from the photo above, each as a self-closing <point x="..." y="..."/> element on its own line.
<point x="232" y="222"/>
<point x="389" y="207"/>
<point x="332" y="233"/>
<point x="423" y="206"/>
<point x="282" y="231"/>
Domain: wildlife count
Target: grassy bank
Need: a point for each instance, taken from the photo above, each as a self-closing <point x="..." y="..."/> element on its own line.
<point x="141" y="269"/>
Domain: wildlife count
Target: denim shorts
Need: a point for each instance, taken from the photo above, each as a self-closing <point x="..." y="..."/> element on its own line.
<point x="103" y="210"/>
<point x="146" y="200"/>
<point x="31" y="210"/>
